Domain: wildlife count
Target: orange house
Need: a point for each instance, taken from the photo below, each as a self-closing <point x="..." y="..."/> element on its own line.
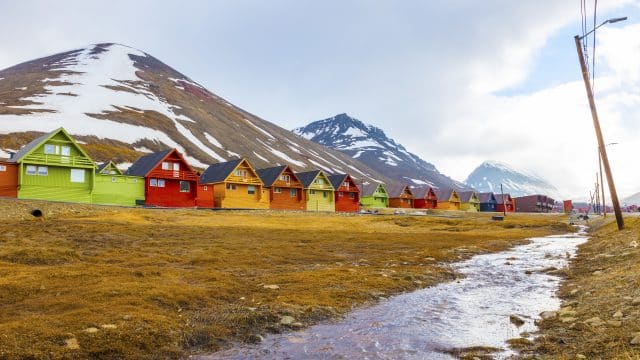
<point x="8" y="179"/>
<point x="347" y="193"/>
<point x="285" y="189"/>
<point x="400" y="196"/>
<point x="235" y="185"/>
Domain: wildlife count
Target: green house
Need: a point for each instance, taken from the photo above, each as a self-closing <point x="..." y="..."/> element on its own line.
<point x="114" y="188"/>
<point x="318" y="191"/>
<point x="54" y="167"/>
<point x="374" y="196"/>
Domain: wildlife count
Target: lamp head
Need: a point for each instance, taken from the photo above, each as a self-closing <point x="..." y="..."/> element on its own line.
<point x="615" y="20"/>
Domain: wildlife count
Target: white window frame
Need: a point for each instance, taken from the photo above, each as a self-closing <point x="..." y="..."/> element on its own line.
<point x="241" y="173"/>
<point x="166" y="165"/>
<point x="49" y="149"/>
<point x="31" y="170"/>
<point x="176" y="166"/>
<point x="286" y="178"/>
<point x="65" y="150"/>
<point x="3" y="168"/>
<point x="251" y="190"/>
<point x="161" y="183"/>
<point x="76" y="178"/>
<point x="277" y="190"/>
<point x="153" y="182"/>
<point x="43" y="171"/>
<point x="113" y="179"/>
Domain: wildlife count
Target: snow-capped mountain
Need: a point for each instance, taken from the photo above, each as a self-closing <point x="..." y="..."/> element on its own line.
<point x="371" y="146"/>
<point x="122" y="103"/>
<point x="490" y="174"/>
<point x="632" y="200"/>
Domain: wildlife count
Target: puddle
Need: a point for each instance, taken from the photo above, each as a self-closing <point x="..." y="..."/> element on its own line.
<point x="473" y="311"/>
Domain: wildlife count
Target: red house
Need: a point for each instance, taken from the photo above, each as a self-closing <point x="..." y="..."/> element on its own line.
<point x="504" y="202"/>
<point x="424" y="198"/>
<point x="169" y="179"/>
<point x="347" y="194"/>
<point x="8" y="179"/>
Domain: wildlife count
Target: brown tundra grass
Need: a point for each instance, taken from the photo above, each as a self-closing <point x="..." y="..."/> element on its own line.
<point x="107" y="282"/>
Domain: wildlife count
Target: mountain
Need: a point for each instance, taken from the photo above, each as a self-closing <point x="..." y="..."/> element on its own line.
<point x="371" y="146"/>
<point x="122" y="103"/>
<point x="490" y="174"/>
<point x="632" y="200"/>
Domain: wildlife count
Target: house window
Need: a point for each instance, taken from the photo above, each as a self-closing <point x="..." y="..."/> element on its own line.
<point x="77" y="175"/>
<point x="113" y="179"/>
<point x="319" y="181"/>
<point x="160" y="182"/>
<point x="251" y="189"/>
<point x="277" y="190"/>
<point x="3" y="168"/>
<point x="43" y="170"/>
<point x="231" y="186"/>
<point x="66" y="151"/>
<point x="340" y="194"/>
<point x="241" y="173"/>
<point x="176" y="166"/>
<point x="166" y="165"/>
<point x="325" y="194"/>
<point x="49" y="149"/>
<point x="312" y="192"/>
<point x="286" y="178"/>
<point x="293" y="192"/>
<point x="352" y="195"/>
<point x="135" y="181"/>
<point x="204" y="188"/>
<point x="32" y="170"/>
<point x="345" y="184"/>
<point x="153" y="182"/>
<point x="185" y="186"/>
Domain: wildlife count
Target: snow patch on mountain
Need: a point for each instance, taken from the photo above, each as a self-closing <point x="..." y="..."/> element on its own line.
<point x="491" y="174"/>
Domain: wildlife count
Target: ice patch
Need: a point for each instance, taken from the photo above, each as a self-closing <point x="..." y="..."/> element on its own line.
<point x="260" y="129"/>
<point x="260" y="157"/>
<point x="357" y="155"/>
<point x="213" y="140"/>
<point x="143" y="149"/>
<point x="354" y="132"/>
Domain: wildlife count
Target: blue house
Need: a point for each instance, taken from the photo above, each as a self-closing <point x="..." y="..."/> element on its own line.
<point x="487" y="202"/>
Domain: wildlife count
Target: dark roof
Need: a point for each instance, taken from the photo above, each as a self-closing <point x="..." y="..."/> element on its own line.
<point x="444" y="194"/>
<point x="421" y="192"/>
<point x="218" y="172"/>
<point x="486" y="197"/>
<point x="32" y="145"/>
<point x="145" y="164"/>
<point x="337" y="180"/>
<point x="465" y="196"/>
<point x="307" y="177"/>
<point x="499" y="198"/>
<point x="270" y="175"/>
<point x="369" y="188"/>
<point x="396" y="190"/>
<point x="102" y="167"/>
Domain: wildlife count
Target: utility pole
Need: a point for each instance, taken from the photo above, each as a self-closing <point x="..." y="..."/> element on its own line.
<point x="596" y="125"/>
<point x="604" y="203"/>
<point x="504" y="202"/>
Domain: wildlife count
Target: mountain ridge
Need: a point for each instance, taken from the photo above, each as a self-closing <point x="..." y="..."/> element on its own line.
<point x="489" y="175"/>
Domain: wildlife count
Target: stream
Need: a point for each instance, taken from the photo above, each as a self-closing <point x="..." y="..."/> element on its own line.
<point x="472" y="311"/>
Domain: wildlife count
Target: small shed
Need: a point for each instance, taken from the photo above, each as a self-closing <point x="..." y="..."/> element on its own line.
<point x="400" y="196"/>
<point x="487" y="202"/>
<point x="448" y="199"/>
<point x="8" y="179"/>
<point x="374" y="196"/>
<point x="318" y="190"/>
<point x="112" y="187"/>
<point x="284" y="187"/>
<point x="347" y="194"/>
<point x="424" y="198"/>
<point x="469" y="201"/>
<point x="236" y="185"/>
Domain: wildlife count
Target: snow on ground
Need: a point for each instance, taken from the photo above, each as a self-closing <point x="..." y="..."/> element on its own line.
<point x="213" y="140"/>
<point x="354" y="132"/>
<point x="143" y="149"/>
<point x="124" y="166"/>
<point x="282" y="155"/>
<point x="261" y="129"/>
<point x="4" y="154"/>
<point x="322" y="167"/>
<point x="260" y="157"/>
<point x="294" y="149"/>
<point x="233" y="154"/>
<point x="1" y="78"/>
<point x="362" y="144"/>
<point x="357" y="155"/>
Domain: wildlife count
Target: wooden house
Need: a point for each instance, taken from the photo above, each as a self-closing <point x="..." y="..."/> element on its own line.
<point x="112" y="187"/>
<point x="54" y="167"/>
<point x="487" y="202"/>
<point x="347" y="194"/>
<point x="318" y="190"/>
<point x="169" y="179"/>
<point x="533" y="203"/>
<point x="448" y="199"/>
<point x="285" y="189"/>
<point x="400" y="196"/>
<point x="424" y="198"/>
<point x="469" y="201"/>
<point x="235" y="185"/>
<point x="374" y="196"/>
<point x="8" y="179"/>
<point x="504" y="203"/>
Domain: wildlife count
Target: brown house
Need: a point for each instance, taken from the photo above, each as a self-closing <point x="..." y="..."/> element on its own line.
<point x="284" y="187"/>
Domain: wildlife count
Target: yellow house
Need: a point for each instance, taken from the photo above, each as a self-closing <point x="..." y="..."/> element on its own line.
<point x="469" y="201"/>
<point x="318" y="189"/>
<point x="448" y="199"/>
<point x="236" y="185"/>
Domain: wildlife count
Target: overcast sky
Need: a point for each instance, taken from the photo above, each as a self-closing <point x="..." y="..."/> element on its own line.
<point x="456" y="82"/>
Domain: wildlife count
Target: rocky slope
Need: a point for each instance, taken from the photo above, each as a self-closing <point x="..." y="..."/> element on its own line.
<point x="371" y="146"/>
<point x="122" y="103"/>
<point x="490" y="174"/>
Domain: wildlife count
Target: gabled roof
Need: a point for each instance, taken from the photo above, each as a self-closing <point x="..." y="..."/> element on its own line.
<point x="421" y="192"/>
<point x="219" y="172"/>
<point x="107" y="165"/>
<point x="307" y="177"/>
<point x="499" y="198"/>
<point x="396" y="190"/>
<point x="27" y="149"/>
<point x="337" y="179"/>
<point x="146" y="163"/>
<point x="370" y="188"/>
<point x="486" y="197"/>
<point x="444" y="194"/>
<point x="465" y="196"/>
<point x="270" y="175"/>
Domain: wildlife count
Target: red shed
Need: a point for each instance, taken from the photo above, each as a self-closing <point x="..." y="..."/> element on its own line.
<point x="424" y="198"/>
<point x="504" y="202"/>
<point x="169" y="179"/>
<point x="8" y="179"/>
<point x="347" y="193"/>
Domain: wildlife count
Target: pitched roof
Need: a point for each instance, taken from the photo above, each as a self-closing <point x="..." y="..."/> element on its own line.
<point x="219" y="172"/>
<point x="486" y="197"/>
<point x="396" y="190"/>
<point x="337" y="179"/>
<point x="25" y="150"/>
<point x="307" y="177"/>
<point x="444" y="194"/>
<point x="465" y="196"/>
<point x="146" y="163"/>
<point x="270" y="175"/>
<point x="420" y="192"/>
<point x="499" y="198"/>
<point x="105" y="165"/>
<point x="370" y="188"/>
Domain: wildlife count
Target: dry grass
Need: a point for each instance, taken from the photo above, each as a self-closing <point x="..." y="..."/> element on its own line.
<point x="603" y="279"/>
<point x="170" y="282"/>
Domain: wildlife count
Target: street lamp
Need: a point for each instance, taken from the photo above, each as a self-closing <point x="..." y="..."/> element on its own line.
<point x="596" y="122"/>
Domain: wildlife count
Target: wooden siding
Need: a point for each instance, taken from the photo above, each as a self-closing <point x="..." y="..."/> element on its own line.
<point x="204" y="196"/>
<point x="347" y="196"/>
<point x="56" y="185"/>
<point x="378" y="200"/>
<point x="237" y="196"/>
<point x="448" y="205"/>
<point x="170" y="195"/>
<point x="320" y="200"/>
<point x="8" y="179"/>
<point x="114" y="189"/>
<point x="285" y="200"/>
<point x="404" y="201"/>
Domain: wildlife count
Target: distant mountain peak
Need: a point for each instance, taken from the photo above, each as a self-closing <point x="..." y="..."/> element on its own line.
<point x="489" y="175"/>
<point x="370" y="145"/>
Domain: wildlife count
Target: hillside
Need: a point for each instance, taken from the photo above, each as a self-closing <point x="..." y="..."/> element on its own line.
<point x="490" y="174"/>
<point x="122" y="103"/>
<point x="371" y="146"/>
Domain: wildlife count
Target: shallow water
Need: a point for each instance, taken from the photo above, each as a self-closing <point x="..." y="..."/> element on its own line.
<point x="473" y="311"/>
